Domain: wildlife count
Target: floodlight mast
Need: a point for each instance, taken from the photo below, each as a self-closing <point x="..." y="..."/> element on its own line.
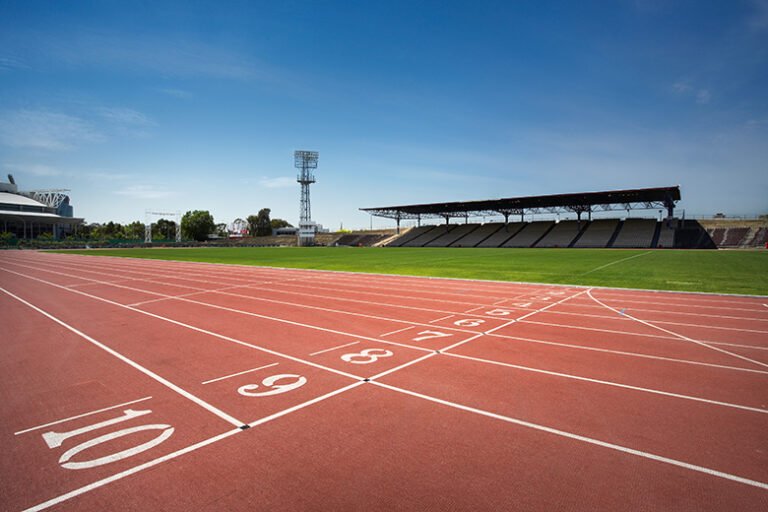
<point x="306" y="161"/>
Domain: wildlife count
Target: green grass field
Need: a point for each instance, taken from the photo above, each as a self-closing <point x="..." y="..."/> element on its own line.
<point x="702" y="271"/>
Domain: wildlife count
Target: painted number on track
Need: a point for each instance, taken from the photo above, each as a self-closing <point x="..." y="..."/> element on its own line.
<point x="367" y="356"/>
<point x="469" y="322"/>
<point x="56" y="439"/>
<point x="428" y="335"/>
<point x="271" y="382"/>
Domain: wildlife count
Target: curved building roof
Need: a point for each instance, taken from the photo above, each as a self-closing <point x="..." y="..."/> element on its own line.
<point x="18" y="199"/>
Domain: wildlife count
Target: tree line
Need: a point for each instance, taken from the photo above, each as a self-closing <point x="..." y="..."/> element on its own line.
<point x="196" y="224"/>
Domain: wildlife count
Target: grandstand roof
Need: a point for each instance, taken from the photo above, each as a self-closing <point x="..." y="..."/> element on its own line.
<point x="644" y="198"/>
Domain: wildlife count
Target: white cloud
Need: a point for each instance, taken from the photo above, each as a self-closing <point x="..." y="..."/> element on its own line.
<point x="124" y="116"/>
<point x="703" y="97"/>
<point x="161" y="54"/>
<point x="177" y="93"/>
<point x="686" y="89"/>
<point x="759" y="20"/>
<point x="145" y="192"/>
<point x="105" y="176"/>
<point x="33" y="169"/>
<point x="281" y="182"/>
<point x="42" y="129"/>
<point x="9" y="63"/>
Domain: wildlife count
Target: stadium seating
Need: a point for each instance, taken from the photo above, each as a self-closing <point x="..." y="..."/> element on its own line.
<point x="735" y="237"/>
<point x="455" y="234"/>
<point x="481" y="232"/>
<point x="562" y="234"/>
<point x="530" y="234"/>
<point x="637" y="233"/>
<point x="598" y="233"/>
<point x="361" y="239"/>
<point x="424" y="239"/>
<point x="717" y="235"/>
<point x="409" y="235"/>
<point x="666" y="237"/>
<point x="501" y="234"/>
<point x="760" y="237"/>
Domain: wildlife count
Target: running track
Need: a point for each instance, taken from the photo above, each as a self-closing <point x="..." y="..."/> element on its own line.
<point x="147" y="385"/>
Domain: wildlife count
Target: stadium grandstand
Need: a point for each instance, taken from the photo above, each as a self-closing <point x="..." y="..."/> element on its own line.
<point x="31" y="214"/>
<point x="582" y="231"/>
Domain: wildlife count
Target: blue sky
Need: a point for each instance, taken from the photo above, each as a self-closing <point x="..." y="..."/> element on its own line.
<point x="200" y="105"/>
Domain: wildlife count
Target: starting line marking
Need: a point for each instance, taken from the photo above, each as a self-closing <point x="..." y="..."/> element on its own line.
<point x="441" y="318"/>
<point x="128" y="472"/>
<point x="183" y="451"/>
<point x="397" y="331"/>
<point x="186" y="394"/>
<point x="334" y="348"/>
<point x="240" y="373"/>
<point x="80" y="416"/>
<point x="540" y="310"/>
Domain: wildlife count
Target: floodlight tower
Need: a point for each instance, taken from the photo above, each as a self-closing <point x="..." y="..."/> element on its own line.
<point x="306" y="161"/>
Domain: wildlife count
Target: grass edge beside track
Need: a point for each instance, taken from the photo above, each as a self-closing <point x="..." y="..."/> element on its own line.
<point x="724" y="272"/>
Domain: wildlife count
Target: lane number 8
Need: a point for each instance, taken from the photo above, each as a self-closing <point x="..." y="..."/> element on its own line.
<point x="367" y="356"/>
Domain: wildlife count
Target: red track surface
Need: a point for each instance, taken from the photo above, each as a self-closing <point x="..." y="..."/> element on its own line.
<point x="125" y="385"/>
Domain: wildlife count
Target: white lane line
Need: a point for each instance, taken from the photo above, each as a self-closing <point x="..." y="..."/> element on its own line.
<point x="334" y="348"/>
<point x="404" y="365"/>
<point x="441" y="318"/>
<point x="615" y="262"/>
<point x="307" y="403"/>
<point x="639" y="335"/>
<point x="194" y="328"/>
<point x="686" y="338"/>
<point x="669" y="322"/>
<point x="577" y="437"/>
<point x="240" y="373"/>
<point x="609" y="383"/>
<point x="460" y="343"/>
<point x="628" y="305"/>
<point x="183" y="451"/>
<point x="186" y="394"/>
<point x="303" y="286"/>
<point x="540" y="310"/>
<point x="491" y="331"/>
<point x="129" y="472"/>
<point x="191" y="327"/>
<point x="388" y="279"/>
<point x="249" y="313"/>
<point x="81" y="416"/>
<point x="397" y="331"/>
<point x="171" y="297"/>
<point x="629" y="354"/>
<point x="249" y="297"/>
<point x="159" y="299"/>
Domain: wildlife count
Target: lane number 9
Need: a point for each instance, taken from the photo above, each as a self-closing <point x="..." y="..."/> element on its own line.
<point x="271" y="382"/>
